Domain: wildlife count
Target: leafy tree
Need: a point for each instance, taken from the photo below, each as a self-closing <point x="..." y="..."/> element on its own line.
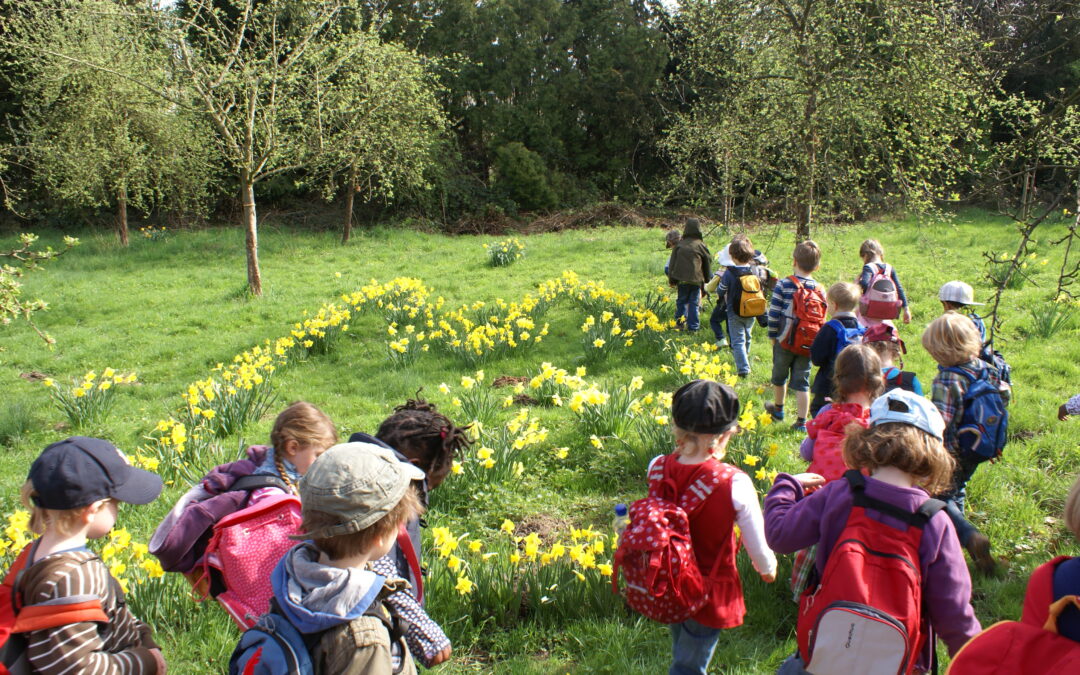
<point x="16" y="262"/>
<point x="825" y="103"/>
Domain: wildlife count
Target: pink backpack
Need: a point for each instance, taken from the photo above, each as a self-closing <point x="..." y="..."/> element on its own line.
<point x="655" y="553"/>
<point x="881" y="300"/>
<point x="245" y="548"/>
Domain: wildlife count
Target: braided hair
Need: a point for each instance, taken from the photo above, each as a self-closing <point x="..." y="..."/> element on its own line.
<point x="419" y="431"/>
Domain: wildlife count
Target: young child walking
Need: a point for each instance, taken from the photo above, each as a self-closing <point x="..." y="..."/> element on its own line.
<point x="705" y="416"/>
<point x="418" y="434"/>
<point x="355" y="497"/>
<point x="839" y="331"/>
<point x="72" y="491"/>
<point x="688" y="269"/>
<point x="884" y="339"/>
<point x="856" y="382"/>
<point x="796" y="314"/>
<point x="874" y="265"/>
<point x="737" y="300"/>
<point x="902" y="451"/>
<point x="953" y="342"/>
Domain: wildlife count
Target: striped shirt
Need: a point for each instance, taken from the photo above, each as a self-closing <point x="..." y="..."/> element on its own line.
<point x="947" y="392"/>
<point x="780" y="306"/>
<point x="119" y="647"/>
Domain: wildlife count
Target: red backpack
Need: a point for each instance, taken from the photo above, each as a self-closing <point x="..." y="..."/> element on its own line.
<point x="881" y="300"/>
<point x="1031" y="645"/>
<point x="865" y="616"/>
<point x="655" y="553"/>
<point x="806" y="316"/>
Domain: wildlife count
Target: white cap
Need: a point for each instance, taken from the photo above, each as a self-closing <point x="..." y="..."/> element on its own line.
<point x="958" y="292"/>
<point x="724" y="257"/>
<point x="907" y="407"/>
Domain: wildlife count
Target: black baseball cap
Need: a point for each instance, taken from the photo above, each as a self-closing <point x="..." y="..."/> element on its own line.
<point x="79" y="471"/>
<point x="705" y="407"/>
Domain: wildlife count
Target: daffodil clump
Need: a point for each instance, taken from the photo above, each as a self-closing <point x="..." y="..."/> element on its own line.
<point x="552" y="386"/>
<point x="90" y="398"/>
<point x="752" y="451"/>
<point x="153" y="233"/>
<point x="602" y="413"/>
<point x="702" y="362"/>
<point x="475" y="398"/>
<point x="509" y="574"/>
<point x="601" y="338"/>
<point x="502" y="253"/>
<point x="317" y="334"/>
<point x="500" y="453"/>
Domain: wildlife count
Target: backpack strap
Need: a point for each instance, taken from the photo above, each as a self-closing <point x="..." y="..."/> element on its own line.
<point x="258" y="482"/>
<point x="404" y="542"/>
<point x="701" y="485"/>
<point x="919" y="518"/>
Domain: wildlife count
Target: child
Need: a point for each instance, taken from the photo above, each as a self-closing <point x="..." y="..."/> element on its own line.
<point x="790" y="368"/>
<point x="884" y="339"/>
<point x="355" y="499"/>
<point x="873" y="257"/>
<point x="953" y="340"/>
<point x="671" y="240"/>
<point x="1070" y="407"/>
<point x="1064" y="579"/>
<point x="729" y="292"/>
<point x="705" y="416"/>
<point x="857" y="382"/>
<point x="718" y="318"/>
<point x="300" y="434"/>
<point x="903" y="453"/>
<point x="419" y="435"/>
<point x="688" y="268"/>
<point x="957" y="296"/>
<point x="843" y="329"/>
<point x="72" y="491"/>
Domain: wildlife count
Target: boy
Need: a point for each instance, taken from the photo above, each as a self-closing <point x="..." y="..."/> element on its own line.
<point x="671" y="239"/>
<point x="953" y="340"/>
<point x="688" y="268"/>
<point x="789" y="368"/>
<point x="72" y="492"/>
<point x="742" y="255"/>
<point x="956" y="296"/>
<point x="840" y="300"/>
<point x="355" y="497"/>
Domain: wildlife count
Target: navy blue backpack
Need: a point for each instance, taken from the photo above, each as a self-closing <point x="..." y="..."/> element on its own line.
<point x="985" y="421"/>
<point x="273" y="646"/>
<point x="846" y="336"/>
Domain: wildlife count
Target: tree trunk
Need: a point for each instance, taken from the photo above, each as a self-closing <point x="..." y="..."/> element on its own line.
<point x="121" y="217"/>
<point x="809" y="179"/>
<point x="350" y="194"/>
<point x="247" y="196"/>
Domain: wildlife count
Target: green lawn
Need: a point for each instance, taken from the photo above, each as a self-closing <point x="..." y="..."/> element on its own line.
<point x="171" y="310"/>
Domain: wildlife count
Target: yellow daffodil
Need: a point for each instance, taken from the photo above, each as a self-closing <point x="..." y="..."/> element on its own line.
<point x="464" y="586"/>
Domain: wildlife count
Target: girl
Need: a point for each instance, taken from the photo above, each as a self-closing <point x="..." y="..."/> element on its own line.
<point x="857" y="382"/>
<point x="704" y="414"/>
<point x="420" y="435"/>
<point x="301" y="433"/>
<point x="885" y="340"/>
<point x="903" y="452"/>
<point x="873" y="257"/>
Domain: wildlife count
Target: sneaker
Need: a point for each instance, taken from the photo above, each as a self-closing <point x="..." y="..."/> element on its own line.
<point x="777" y="413"/>
<point x="801" y="428"/>
<point x="743" y="376"/>
<point x="721" y="343"/>
<point x="979" y="549"/>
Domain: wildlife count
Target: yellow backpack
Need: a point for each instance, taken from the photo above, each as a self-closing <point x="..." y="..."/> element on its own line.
<point x="752" y="302"/>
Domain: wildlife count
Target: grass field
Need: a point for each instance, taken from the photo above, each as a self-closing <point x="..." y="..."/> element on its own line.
<point x="172" y="309"/>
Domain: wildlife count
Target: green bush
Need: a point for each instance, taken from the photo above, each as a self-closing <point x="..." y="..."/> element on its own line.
<point x="523" y="177"/>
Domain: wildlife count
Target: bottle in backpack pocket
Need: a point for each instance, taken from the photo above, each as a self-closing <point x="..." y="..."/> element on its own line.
<point x="621" y="520"/>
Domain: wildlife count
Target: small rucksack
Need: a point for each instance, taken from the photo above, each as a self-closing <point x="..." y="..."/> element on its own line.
<point x="656" y="555"/>
<point x="846" y="336"/>
<point x="984" y="423"/>
<point x="273" y="646"/>
<point x="751" y="297"/>
<point x="899" y="379"/>
<point x="806" y="316"/>
<point x="865" y="615"/>
<point x="881" y="300"/>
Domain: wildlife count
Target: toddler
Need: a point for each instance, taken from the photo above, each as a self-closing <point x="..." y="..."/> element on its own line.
<point x="884" y="339"/>
<point x="873" y="257"/>
<point x="841" y="330"/>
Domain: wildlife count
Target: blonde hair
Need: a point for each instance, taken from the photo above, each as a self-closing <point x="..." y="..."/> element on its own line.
<point x="901" y="446"/>
<point x="682" y="435"/>
<point x="1072" y="509"/>
<point x="740" y="249"/>
<point x="305" y="424"/>
<point x="884" y="347"/>
<point x="844" y="295"/>
<point x="356" y="543"/>
<point x="871" y="248"/>
<point x="65" y="522"/>
<point x="952" y="339"/>
<point x="807" y="256"/>
<point x="857" y="368"/>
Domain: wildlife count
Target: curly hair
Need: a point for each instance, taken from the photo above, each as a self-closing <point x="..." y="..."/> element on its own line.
<point x="419" y="431"/>
<point x="902" y="446"/>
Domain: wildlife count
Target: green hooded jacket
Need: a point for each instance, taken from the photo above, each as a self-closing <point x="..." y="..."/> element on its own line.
<point x="690" y="259"/>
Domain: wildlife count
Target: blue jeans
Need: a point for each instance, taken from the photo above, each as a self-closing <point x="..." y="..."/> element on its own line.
<point x="739" y="329"/>
<point x="718" y="318"/>
<point x="686" y="304"/>
<point x="692" y="647"/>
<point x="956" y="495"/>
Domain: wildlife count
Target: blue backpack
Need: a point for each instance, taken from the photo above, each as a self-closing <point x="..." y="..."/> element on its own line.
<point x="984" y="422"/>
<point x="846" y="336"/>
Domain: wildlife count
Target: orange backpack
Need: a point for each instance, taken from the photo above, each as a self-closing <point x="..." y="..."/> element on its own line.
<point x="806" y="316"/>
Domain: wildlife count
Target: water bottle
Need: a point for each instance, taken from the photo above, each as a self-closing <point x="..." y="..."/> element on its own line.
<point x="621" y="519"/>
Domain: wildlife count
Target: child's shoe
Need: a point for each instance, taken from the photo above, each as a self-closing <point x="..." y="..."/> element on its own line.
<point x="979" y="548"/>
<point x="721" y="343"/>
<point x="777" y="413"/>
<point x="799" y="427"/>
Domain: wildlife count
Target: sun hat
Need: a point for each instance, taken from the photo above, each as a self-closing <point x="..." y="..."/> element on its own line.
<point x="909" y="408"/>
<point x="884" y="332"/>
<point x="723" y="258"/>
<point x="958" y="292"/>
<point x="705" y="407"/>
<point x="80" y="470"/>
<point x="359" y="483"/>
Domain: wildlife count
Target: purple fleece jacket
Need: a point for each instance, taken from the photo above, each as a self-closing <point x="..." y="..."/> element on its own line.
<point x="793" y="523"/>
